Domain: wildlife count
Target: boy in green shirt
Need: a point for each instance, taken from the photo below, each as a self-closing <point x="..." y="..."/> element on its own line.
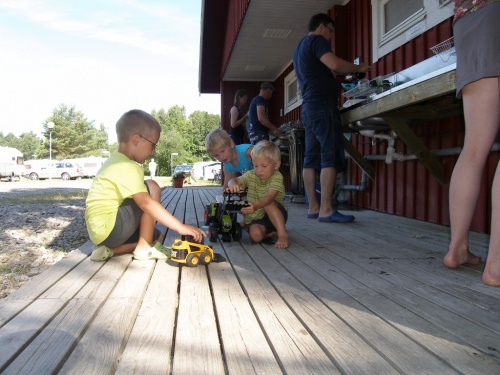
<point x="121" y="208"/>
<point x="266" y="215"/>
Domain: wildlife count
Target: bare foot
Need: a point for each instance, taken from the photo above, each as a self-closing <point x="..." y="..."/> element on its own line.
<point x="491" y="278"/>
<point x="282" y="243"/>
<point x="453" y="260"/>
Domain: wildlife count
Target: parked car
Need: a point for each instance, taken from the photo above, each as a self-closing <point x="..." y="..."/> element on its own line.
<point x="64" y="170"/>
<point x="90" y="164"/>
<point x="183" y="168"/>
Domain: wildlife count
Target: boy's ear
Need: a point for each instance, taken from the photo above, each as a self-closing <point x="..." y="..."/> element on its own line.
<point x="231" y="144"/>
<point x="277" y="166"/>
<point x="135" y="138"/>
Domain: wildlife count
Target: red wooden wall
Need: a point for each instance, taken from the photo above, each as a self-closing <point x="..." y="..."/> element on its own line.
<point x="402" y="188"/>
<point x="406" y="188"/>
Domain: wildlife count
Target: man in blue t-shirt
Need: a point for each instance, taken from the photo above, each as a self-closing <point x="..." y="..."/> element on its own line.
<point x="259" y="126"/>
<point x="314" y="64"/>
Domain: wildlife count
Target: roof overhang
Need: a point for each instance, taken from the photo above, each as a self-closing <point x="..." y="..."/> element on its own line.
<point x="263" y="48"/>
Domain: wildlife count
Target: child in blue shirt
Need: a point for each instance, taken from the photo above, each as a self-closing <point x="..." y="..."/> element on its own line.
<point x="235" y="159"/>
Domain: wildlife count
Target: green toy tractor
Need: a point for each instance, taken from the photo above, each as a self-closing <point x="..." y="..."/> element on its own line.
<point x="221" y="217"/>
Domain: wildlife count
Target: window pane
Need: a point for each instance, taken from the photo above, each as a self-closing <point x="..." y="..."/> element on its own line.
<point x="292" y="90"/>
<point x="396" y="11"/>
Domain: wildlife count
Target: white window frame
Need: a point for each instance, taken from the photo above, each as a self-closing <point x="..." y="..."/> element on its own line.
<point x="292" y="102"/>
<point x="433" y="12"/>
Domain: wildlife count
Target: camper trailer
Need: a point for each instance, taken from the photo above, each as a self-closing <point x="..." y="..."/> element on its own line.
<point x="205" y="170"/>
<point x="11" y="162"/>
<point x="91" y="164"/>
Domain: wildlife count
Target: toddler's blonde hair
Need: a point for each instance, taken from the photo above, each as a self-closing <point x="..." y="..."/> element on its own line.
<point x="266" y="149"/>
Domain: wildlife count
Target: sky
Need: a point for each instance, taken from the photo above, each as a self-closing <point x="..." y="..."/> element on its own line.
<point x="104" y="57"/>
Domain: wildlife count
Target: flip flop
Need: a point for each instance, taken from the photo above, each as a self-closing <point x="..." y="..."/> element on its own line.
<point x="313" y="216"/>
<point x="336" y="217"/>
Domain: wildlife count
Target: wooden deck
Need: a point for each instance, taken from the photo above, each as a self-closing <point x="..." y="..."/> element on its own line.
<point x="371" y="297"/>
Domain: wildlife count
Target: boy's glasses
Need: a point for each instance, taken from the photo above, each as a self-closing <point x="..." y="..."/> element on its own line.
<point x="152" y="144"/>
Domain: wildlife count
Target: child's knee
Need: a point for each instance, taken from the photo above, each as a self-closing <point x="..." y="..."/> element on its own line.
<point x="154" y="188"/>
<point x="257" y="232"/>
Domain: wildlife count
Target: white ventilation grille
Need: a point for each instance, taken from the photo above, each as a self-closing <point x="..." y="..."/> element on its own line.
<point x="277" y="33"/>
<point x="255" y="68"/>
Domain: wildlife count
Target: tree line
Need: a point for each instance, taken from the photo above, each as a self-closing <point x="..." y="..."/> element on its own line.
<point x="74" y="136"/>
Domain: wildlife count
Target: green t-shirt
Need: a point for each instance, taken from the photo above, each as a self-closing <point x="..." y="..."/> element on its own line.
<point x="258" y="190"/>
<point x="118" y="179"/>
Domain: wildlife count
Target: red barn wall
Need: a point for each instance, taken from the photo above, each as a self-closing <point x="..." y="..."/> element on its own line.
<point x="402" y="188"/>
<point x="406" y="188"/>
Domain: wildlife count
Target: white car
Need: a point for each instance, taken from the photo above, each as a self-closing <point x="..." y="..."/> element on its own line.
<point x="63" y="170"/>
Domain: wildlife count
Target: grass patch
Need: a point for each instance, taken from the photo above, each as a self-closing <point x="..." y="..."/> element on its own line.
<point x="58" y="197"/>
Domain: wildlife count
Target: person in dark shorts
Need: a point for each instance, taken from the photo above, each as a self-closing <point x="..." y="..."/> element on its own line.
<point x="314" y="63"/>
<point x="259" y="126"/>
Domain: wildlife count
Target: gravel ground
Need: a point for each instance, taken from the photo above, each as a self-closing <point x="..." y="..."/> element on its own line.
<point x="35" y="234"/>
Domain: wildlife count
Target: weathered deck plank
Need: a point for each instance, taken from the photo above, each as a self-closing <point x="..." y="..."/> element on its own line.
<point x="367" y="297"/>
<point x="98" y="350"/>
<point x="246" y="350"/>
<point x="148" y="348"/>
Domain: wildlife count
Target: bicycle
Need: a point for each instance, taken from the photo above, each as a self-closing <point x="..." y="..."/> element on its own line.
<point x="217" y="177"/>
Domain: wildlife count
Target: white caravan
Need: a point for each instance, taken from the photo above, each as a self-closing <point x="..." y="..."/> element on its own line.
<point x="11" y="162"/>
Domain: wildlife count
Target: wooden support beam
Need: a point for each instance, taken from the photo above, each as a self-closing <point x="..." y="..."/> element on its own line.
<point x="417" y="147"/>
<point x="427" y="100"/>
<point x="359" y="159"/>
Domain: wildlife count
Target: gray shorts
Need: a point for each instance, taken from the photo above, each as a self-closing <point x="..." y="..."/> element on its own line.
<point x="477" y="41"/>
<point x="127" y="225"/>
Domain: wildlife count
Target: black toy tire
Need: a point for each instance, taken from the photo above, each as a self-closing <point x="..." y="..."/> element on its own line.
<point x="212" y="233"/>
<point x="205" y="258"/>
<point x="237" y="232"/>
<point x="192" y="260"/>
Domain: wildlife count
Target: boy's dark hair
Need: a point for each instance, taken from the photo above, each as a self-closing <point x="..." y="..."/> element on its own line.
<point x="318" y="19"/>
<point x="136" y="121"/>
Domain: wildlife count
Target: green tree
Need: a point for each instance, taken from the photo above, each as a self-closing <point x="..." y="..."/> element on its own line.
<point x="174" y="127"/>
<point x="201" y="124"/>
<point x="73" y="135"/>
<point x="182" y="135"/>
<point x="9" y="140"/>
<point x="27" y="143"/>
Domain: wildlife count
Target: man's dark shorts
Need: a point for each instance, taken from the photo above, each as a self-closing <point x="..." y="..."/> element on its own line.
<point x="323" y="135"/>
<point x="266" y="222"/>
<point x="257" y="137"/>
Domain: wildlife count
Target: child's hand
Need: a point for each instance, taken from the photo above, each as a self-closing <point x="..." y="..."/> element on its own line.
<point x="248" y="210"/>
<point x="233" y="189"/>
<point x="196" y="233"/>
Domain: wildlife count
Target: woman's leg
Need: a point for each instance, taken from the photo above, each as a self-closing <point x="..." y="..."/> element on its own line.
<point x="481" y="113"/>
<point x="491" y="274"/>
